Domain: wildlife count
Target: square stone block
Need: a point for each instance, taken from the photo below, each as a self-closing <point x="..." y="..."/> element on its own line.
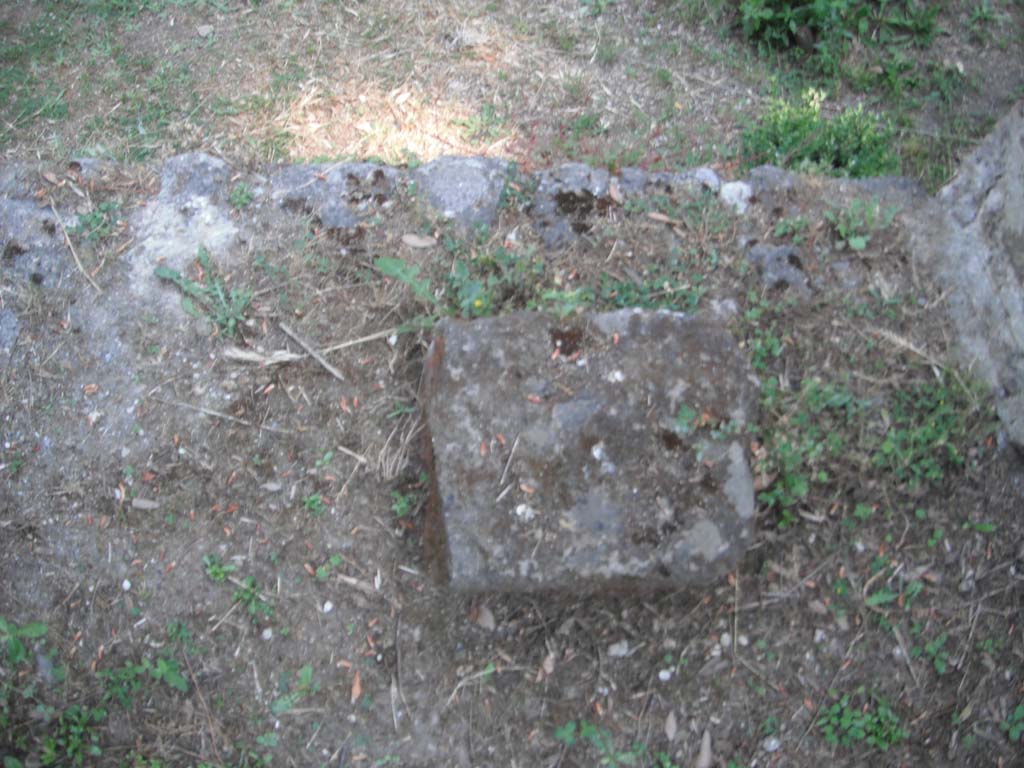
<point x="601" y="451"/>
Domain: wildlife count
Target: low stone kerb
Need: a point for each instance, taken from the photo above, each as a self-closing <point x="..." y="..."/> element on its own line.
<point x="598" y="451"/>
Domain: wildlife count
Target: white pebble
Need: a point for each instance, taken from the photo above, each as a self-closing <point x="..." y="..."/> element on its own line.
<point x="726" y="640"/>
<point x="328" y="606"/>
<point x="619" y="649"/>
<point x="525" y="512"/>
<point x="819" y="636"/>
<point x="665" y="675"/>
<point x="743" y="640"/>
<point x="126" y="585"/>
<point x="267" y="634"/>
<point x="771" y="744"/>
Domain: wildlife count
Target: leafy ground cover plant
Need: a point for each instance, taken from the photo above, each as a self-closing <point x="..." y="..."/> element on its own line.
<point x="861" y="718"/>
<point x="797" y="135"/>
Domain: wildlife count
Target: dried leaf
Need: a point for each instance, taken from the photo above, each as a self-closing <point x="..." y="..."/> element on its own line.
<point x="671" y="726"/>
<point x="615" y="193"/>
<point x="663" y="219"/>
<point x="548" y="665"/>
<point x="357" y="688"/>
<point x="419" y="241"/>
<point x="705" y="758"/>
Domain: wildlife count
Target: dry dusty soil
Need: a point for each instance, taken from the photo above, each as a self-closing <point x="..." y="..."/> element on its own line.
<point x="210" y="560"/>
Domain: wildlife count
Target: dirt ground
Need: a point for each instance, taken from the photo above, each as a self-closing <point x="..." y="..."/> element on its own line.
<point x="227" y="557"/>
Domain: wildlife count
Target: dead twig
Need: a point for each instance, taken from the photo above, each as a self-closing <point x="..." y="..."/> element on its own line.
<point x="312" y="352"/>
<point x="846" y="657"/>
<point x="224" y="618"/>
<point x="483" y="673"/>
<point x="71" y="247"/>
<point x="209" y="718"/>
<point x="220" y="415"/>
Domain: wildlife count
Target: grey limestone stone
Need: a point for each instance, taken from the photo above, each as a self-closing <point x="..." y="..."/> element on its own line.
<point x="194" y="174"/>
<point x="465" y="189"/>
<point x="972" y="238"/>
<point x="779" y="265"/>
<point x="338" y="195"/>
<point x="31" y="243"/>
<point x="565" y="200"/>
<point x="737" y="195"/>
<point x="595" y="452"/>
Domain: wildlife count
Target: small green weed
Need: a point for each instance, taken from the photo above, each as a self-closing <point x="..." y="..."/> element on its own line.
<point x="936" y="653"/>
<point x="408" y="274"/>
<point x="596" y="7"/>
<point x="249" y="596"/>
<point x="926" y="429"/>
<point x="303" y="686"/>
<point x="98" y="223"/>
<point x="797" y="136"/>
<point x="601" y="743"/>
<point x="121" y="684"/>
<point x="1013" y="725"/>
<point x="808" y="430"/>
<point x="484" y="125"/>
<point x="517" y="194"/>
<point x="74" y="737"/>
<point x="323" y="571"/>
<point x="855" y="224"/>
<point x="12" y="638"/>
<point x="403" y="504"/>
<point x="872" y="722"/>
<point x="671" y="287"/>
<point x="216" y="570"/>
<point x="240" y="196"/>
<point x="794" y="229"/>
<point x="314" y="504"/>
<point x="224" y="306"/>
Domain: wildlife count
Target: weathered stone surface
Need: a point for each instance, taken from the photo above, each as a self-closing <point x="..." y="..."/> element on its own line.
<point x="337" y="195"/>
<point x="565" y="199"/>
<point x="31" y="243"/>
<point x="779" y="266"/>
<point x="972" y="239"/>
<point x="737" y="195"/>
<point x="600" y="451"/>
<point x="466" y="189"/>
<point x="9" y="329"/>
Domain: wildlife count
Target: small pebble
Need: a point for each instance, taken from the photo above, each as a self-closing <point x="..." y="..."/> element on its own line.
<point x="328" y="606"/>
<point x="126" y="585"/>
<point x="743" y="640"/>
<point x="819" y="635"/>
<point x="771" y="744"/>
<point x="267" y="634"/>
<point x="619" y="649"/>
<point x="665" y="675"/>
<point x="725" y="640"/>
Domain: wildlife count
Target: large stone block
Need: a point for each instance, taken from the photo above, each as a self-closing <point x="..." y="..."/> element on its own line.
<point x="600" y="451"/>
